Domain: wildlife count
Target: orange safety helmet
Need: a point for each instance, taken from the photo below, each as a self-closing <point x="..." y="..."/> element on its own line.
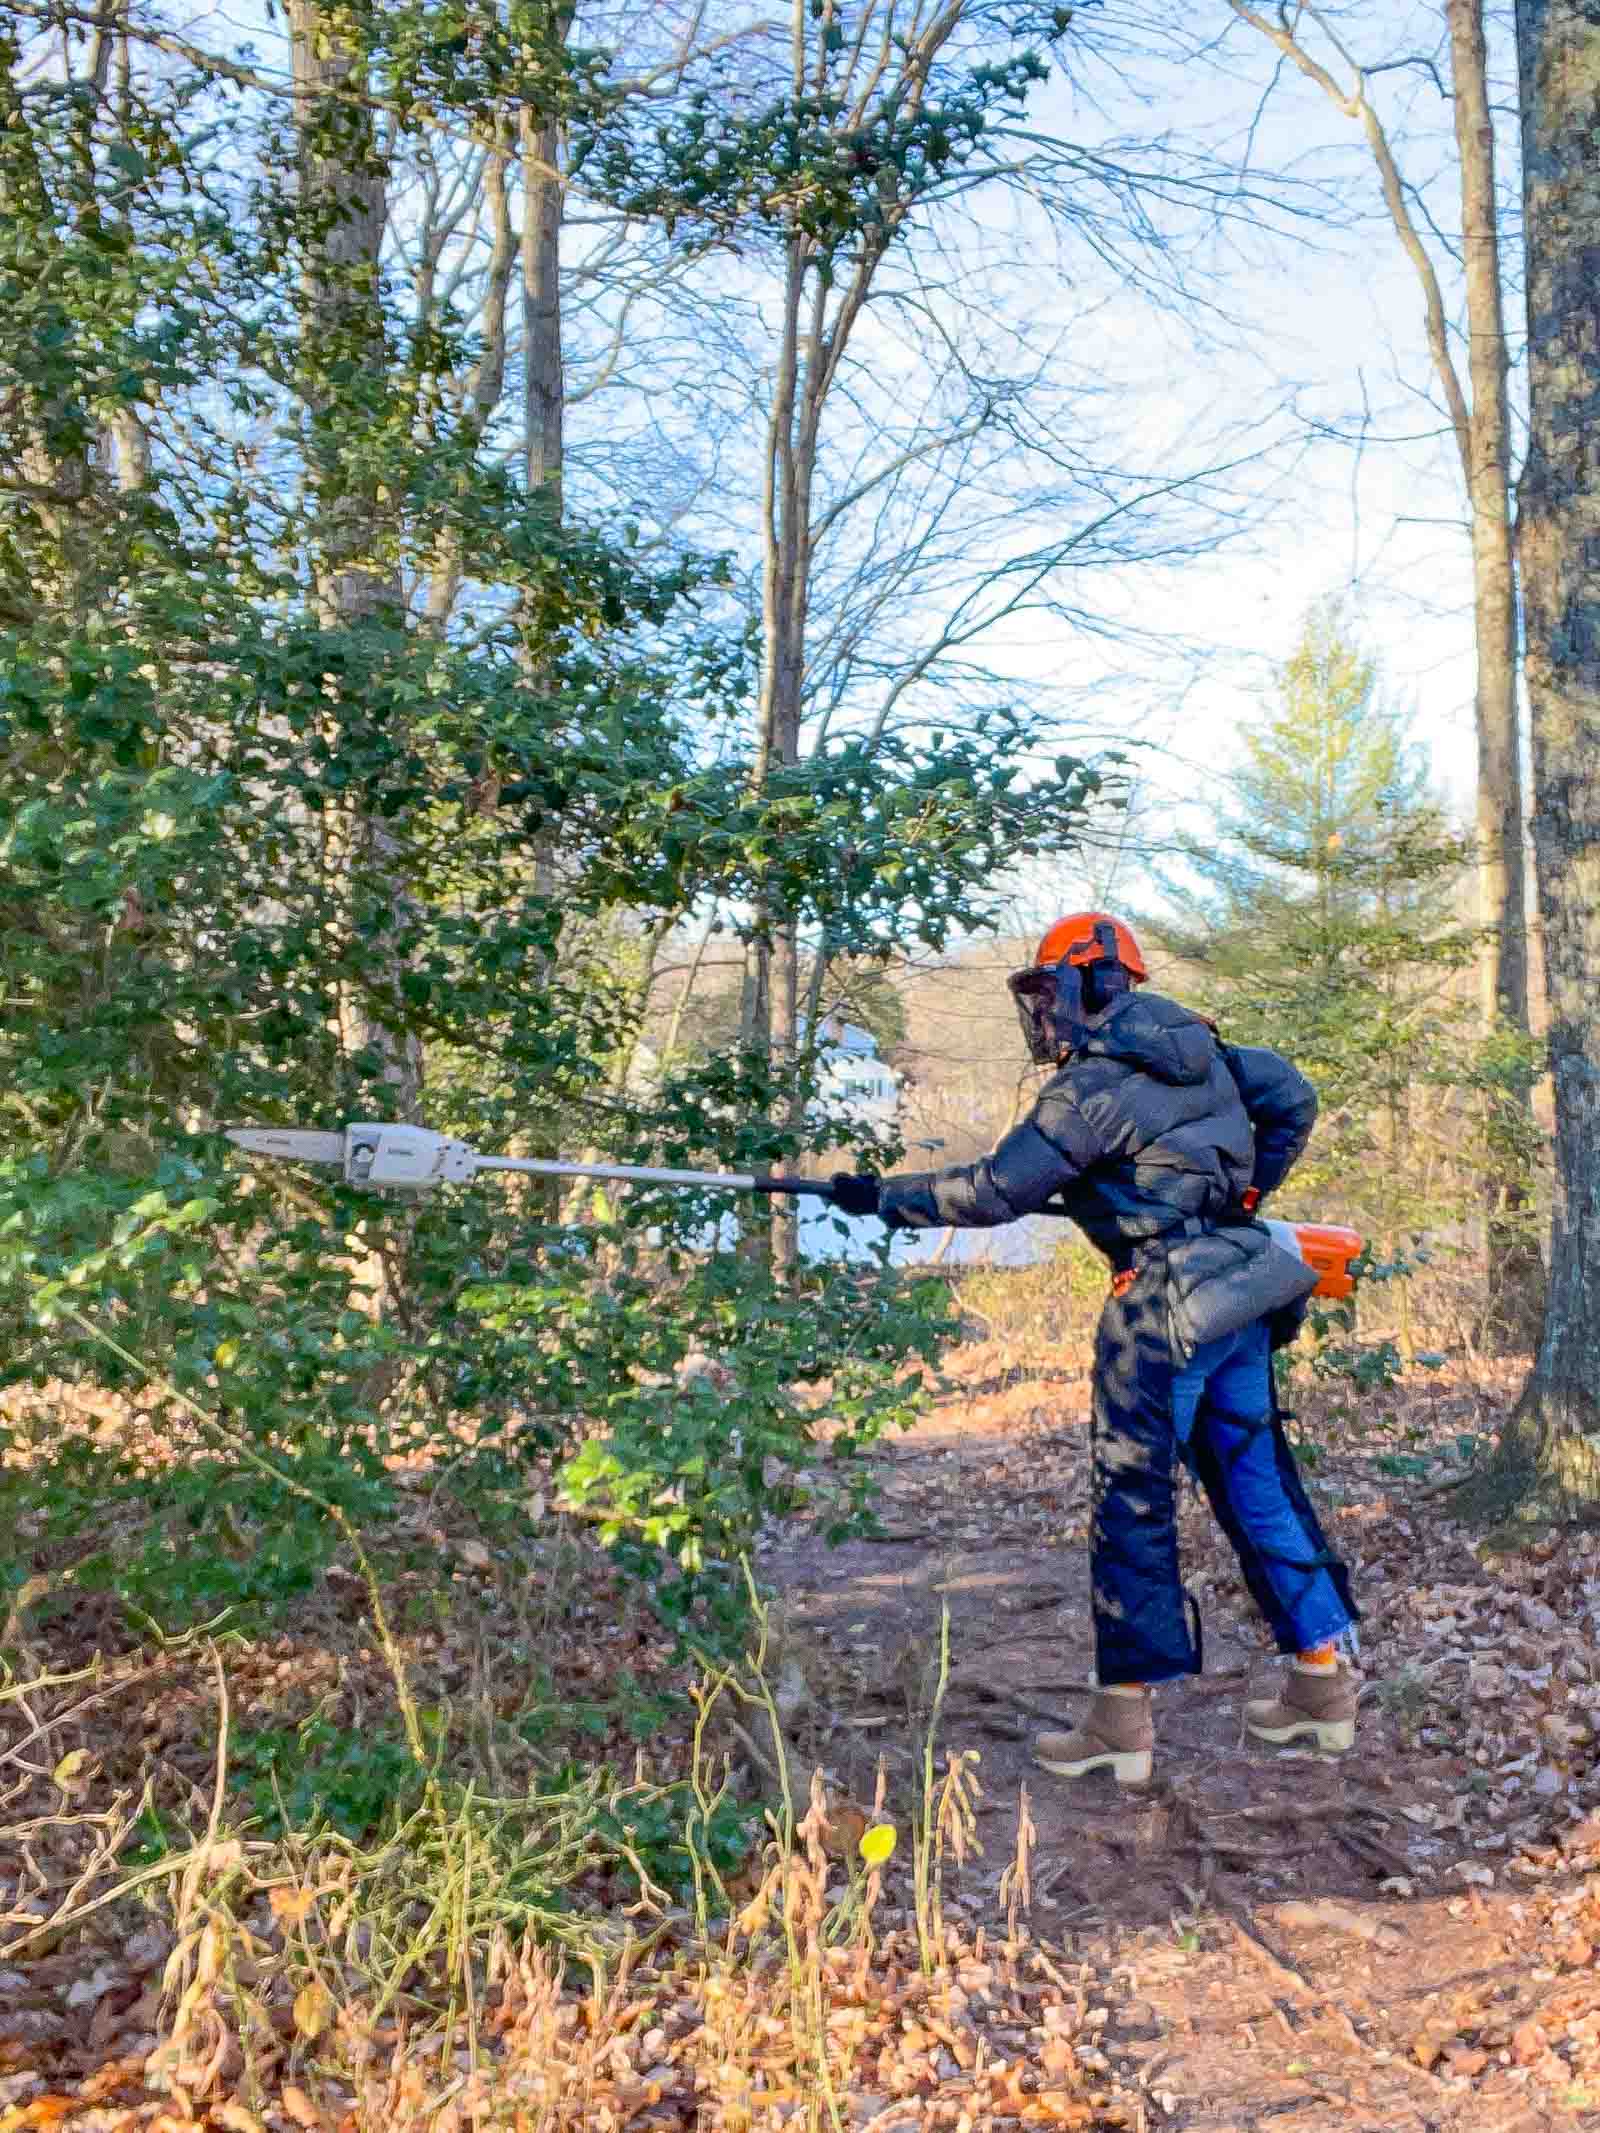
<point x="1075" y="939"/>
<point x="1054" y="993"/>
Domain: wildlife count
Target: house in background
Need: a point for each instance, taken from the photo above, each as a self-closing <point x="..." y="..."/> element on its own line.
<point x="856" y="1088"/>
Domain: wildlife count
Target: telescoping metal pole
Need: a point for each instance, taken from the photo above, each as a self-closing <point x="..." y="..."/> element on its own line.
<point x="640" y="1174"/>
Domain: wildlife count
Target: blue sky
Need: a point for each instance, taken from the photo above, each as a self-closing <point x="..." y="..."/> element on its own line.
<point x="1339" y="322"/>
<point x="1322" y="327"/>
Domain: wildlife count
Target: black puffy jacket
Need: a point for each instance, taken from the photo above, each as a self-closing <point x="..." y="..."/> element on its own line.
<point x="1153" y="1122"/>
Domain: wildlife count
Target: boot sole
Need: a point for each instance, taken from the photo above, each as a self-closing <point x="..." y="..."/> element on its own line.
<point x="1333" y="1736"/>
<point x="1128" y="1766"/>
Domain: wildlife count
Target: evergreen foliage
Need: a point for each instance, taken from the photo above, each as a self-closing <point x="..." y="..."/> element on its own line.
<point x="1322" y="912"/>
<point x="278" y="846"/>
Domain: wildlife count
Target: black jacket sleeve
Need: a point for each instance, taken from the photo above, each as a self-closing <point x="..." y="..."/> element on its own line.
<point x="1034" y="1162"/>
<point x="1283" y="1109"/>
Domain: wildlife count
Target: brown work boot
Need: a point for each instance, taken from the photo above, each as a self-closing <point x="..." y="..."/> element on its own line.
<point x="1318" y="1702"/>
<point x="1116" y="1735"/>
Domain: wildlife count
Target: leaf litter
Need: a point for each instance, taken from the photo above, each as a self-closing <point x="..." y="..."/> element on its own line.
<point x="1406" y="1940"/>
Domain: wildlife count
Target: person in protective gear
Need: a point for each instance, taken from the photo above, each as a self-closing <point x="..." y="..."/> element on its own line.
<point x="1160" y="1141"/>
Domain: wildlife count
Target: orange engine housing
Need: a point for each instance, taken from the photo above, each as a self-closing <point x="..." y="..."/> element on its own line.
<point x="1328" y="1248"/>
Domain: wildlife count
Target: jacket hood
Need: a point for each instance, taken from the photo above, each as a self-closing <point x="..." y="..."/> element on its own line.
<point x="1157" y="1036"/>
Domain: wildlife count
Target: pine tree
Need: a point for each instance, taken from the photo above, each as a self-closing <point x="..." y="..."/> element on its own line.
<point x="1322" y="912"/>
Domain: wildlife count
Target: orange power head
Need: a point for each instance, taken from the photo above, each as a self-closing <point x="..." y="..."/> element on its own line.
<point x="1074" y="939"/>
<point x="1323" y="1245"/>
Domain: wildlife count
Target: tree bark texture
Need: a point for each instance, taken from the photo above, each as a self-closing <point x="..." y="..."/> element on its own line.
<point x="543" y="365"/>
<point x="1553" y="1442"/>
<point x="342" y="206"/>
<point x="1516" y="1271"/>
<point x="544" y="392"/>
<point x="1502" y="897"/>
<point x="130" y="442"/>
<point x="52" y="478"/>
<point x="772" y="1001"/>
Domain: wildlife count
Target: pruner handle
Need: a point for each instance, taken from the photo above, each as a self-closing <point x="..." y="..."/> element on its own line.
<point x="816" y="1188"/>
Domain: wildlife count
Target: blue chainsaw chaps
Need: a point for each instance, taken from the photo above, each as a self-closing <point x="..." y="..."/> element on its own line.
<point x="1219" y="1415"/>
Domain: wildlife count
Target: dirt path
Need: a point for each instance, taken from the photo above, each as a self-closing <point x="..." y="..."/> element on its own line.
<point x="1399" y="1939"/>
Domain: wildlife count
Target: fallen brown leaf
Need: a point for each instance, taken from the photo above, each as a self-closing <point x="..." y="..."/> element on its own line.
<point x="1466" y="2059"/>
<point x="1339" y="1918"/>
<point x="236" y="2117"/>
<point x="1527" y="2043"/>
<point x="107" y="2079"/>
<point x="313" y="2009"/>
<point x="42" y="2111"/>
<point x="1056" y="2107"/>
<point x="293" y="1906"/>
<point x="298" y="2105"/>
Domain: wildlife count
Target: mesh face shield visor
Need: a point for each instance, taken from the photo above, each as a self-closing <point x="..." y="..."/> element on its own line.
<point x="1050" y="1009"/>
<point x="1053" y="998"/>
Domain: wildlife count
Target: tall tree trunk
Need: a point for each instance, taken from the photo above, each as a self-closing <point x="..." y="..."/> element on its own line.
<point x="543" y="370"/>
<point x="772" y="977"/>
<point x="815" y="331"/>
<point x="1550" y="1452"/>
<point x="486" y="382"/>
<point x="1516" y="1271"/>
<point x="1482" y="432"/>
<point x="539" y="143"/>
<point x="54" y="478"/>
<point x="342" y="205"/>
<point x="130" y="442"/>
<point x="1502" y="896"/>
<point x="544" y="390"/>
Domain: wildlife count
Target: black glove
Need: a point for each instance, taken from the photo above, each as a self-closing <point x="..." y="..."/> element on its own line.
<point x="1284" y="1325"/>
<point x="854" y="1192"/>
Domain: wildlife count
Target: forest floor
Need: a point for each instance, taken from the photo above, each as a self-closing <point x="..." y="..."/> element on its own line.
<point x="1406" y="1938"/>
<point x="1401" y="1938"/>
